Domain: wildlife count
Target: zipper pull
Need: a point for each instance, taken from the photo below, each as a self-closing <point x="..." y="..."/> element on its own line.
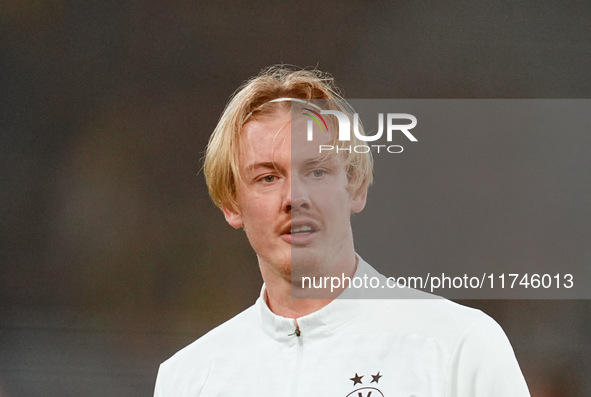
<point x="297" y="331"/>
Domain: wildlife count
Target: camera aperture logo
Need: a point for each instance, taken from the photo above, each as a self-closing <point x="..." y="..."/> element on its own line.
<point x="395" y="123"/>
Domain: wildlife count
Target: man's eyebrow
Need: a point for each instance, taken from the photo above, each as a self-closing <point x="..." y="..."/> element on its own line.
<point x="320" y="160"/>
<point x="264" y="164"/>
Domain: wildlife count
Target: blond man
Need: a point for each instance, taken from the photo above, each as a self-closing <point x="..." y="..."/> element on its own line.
<point x="265" y="172"/>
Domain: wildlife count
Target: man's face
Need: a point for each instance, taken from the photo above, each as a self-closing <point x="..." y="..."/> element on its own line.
<point x="294" y="205"/>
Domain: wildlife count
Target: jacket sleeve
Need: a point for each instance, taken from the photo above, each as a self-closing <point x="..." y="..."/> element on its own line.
<point x="158" y="388"/>
<point x="483" y="364"/>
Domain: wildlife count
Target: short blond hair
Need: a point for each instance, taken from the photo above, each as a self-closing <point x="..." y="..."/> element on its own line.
<point x="221" y="166"/>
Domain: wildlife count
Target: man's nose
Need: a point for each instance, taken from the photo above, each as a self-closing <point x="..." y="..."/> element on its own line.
<point x="297" y="197"/>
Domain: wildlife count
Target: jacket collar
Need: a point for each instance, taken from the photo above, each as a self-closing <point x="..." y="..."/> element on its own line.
<point x="338" y="312"/>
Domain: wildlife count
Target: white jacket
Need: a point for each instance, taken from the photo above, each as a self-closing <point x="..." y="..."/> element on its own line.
<point x="351" y="347"/>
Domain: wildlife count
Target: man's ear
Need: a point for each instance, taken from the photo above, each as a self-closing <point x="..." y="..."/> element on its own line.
<point x="358" y="200"/>
<point x="233" y="218"/>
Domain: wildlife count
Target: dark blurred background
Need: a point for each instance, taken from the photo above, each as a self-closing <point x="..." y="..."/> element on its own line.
<point x="113" y="257"/>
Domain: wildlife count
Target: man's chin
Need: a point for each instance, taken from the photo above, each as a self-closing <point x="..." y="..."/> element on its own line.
<point x="304" y="263"/>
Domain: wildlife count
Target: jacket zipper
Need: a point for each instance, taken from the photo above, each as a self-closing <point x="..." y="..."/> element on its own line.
<point x="299" y="352"/>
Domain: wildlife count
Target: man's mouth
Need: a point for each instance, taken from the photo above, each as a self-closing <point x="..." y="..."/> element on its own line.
<point x="302" y="229"/>
<point x="300" y="232"/>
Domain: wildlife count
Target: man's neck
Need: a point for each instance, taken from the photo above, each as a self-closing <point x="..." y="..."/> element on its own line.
<point x="279" y="294"/>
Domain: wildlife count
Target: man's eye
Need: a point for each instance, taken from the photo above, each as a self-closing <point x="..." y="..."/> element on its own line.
<point x="318" y="173"/>
<point x="268" y="178"/>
